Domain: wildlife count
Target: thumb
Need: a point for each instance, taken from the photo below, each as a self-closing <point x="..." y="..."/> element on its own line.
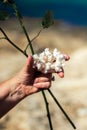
<point x="29" y="63"/>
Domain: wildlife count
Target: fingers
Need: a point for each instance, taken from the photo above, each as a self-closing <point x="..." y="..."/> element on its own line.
<point x="29" y="63"/>
<point x="43" y="78"/>
<point x="43" y="81"/>
<point x="42" y="85"/>
<point x="28" y="90"/>
<point x="29" y="60"/>
<point x="61" y="74"/>
<point x="66" y="57"/>
<point x="36" y="88"/>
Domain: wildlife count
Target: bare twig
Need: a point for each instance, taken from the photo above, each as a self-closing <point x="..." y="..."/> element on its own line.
<point x="47" y="109"/>
<point x="13" y="44"/>
<point x="37" y="35"/>
<point x="58" y="104"/>
<point x="1" y="38"/>
<point x="34" y="38"/>
<point x="18" y="15"/>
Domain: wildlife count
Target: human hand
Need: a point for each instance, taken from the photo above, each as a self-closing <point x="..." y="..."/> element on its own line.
<point x="30" y="81"/>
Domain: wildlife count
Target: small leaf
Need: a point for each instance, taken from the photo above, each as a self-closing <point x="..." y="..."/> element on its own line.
<point x="4" y="15"/>
<point x="48" y="20"/>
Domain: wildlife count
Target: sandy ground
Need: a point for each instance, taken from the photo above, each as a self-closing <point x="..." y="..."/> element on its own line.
<point x="71" y="91"/>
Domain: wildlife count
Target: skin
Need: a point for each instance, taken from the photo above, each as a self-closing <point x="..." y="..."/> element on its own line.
<point x="28" y="81"/>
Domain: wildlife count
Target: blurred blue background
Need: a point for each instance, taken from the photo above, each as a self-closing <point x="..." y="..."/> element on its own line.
<point x="69" y="11"/>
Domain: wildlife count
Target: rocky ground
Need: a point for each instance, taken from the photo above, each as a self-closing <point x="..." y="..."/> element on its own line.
<point x="71" y="91"/>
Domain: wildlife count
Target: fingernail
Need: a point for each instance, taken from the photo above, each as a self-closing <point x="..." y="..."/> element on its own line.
<point x="61" y="74"/>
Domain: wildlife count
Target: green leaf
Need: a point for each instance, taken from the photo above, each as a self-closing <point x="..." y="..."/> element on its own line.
<point x="4" y="15"/>
<point x="48" y="20"/>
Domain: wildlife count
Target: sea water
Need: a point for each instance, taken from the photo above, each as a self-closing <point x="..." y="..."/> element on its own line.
<point x="75" y="14"/>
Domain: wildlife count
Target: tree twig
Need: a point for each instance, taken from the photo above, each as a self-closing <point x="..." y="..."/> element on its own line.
<point x="1" y="38"/>
<point x="48" y="112"/>
<point x="58" y="104"/>
<point x="34" y="38"/>
<point x="13" y="44"/>
<point x="37" y="35"/>
<point x="17" y="13"/>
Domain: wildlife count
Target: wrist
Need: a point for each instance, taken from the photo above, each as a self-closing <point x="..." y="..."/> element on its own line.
<point x="7" y="101"/>
<point x="10" y="95"/>
<point x="11" y="90"/>
<point x="16" y="93"/>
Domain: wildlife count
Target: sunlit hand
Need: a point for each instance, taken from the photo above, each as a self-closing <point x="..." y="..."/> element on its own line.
<point x="30" y="81"/>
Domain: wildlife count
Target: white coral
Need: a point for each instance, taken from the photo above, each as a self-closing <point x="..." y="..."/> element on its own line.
<point x="48" y="61"/>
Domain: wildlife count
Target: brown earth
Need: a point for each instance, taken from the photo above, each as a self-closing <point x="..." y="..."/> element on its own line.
<point x="71" y="91"/>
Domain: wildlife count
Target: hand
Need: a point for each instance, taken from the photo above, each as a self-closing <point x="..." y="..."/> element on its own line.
<point x="30" y="81"/>
<point x="25" y="83"/>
